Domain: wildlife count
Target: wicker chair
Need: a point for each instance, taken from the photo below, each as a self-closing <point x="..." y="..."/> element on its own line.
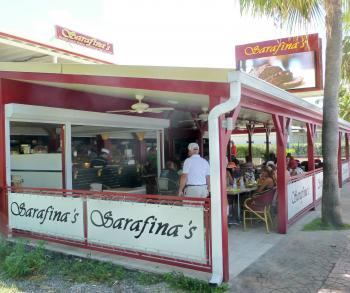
<point x="258" y="208"/>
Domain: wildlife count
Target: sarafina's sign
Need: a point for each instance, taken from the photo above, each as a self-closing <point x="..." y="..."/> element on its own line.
<point x="174" y="231"/>
<point x="72" y="36"/>
<point x="319" y="184"/>
<point x="51" y="215"/>
<point x="299" y="196"/>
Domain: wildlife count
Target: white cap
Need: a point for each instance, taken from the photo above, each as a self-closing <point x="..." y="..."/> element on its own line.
<point x="193" y="146"/>
<point x="105" y="151"/>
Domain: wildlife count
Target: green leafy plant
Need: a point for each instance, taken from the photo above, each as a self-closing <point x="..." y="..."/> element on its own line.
<point x="24" y="261"/>
<point x="179" y="281"/>
<point x="149" y="279"/>
<point x="317" y="225"/>
<point x="86" y="270"/>
<point x="5" y="249"/>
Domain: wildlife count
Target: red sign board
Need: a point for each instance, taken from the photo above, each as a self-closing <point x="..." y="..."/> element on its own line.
<point x="71" y="36"/>
<point x="290" y="63"/>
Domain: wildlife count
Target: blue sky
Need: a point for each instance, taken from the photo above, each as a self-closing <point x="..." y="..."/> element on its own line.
<point x="200" y="33"/>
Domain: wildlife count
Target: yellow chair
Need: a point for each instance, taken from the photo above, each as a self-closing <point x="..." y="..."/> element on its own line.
<point x="258" y="208"/>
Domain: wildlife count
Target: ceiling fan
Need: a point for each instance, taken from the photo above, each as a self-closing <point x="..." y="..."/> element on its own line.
<point x="140" y="108"/>
<point x="201" y="117"/>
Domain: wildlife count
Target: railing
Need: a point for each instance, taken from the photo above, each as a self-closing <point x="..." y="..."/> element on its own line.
<point x="166" y="229"/>
<point x="300" y="194"/>
<point x="304" y="193"/>
<point x="345" y="170"/>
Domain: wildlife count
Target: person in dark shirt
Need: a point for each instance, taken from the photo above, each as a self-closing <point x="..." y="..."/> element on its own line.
<point x="171" y="173"/>
<point x="102" y="160"/>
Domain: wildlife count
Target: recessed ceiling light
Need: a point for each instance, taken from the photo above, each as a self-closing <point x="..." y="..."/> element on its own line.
<point x="173" y="102"/>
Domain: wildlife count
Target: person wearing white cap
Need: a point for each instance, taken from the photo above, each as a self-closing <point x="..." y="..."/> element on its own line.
<point x="102" y="160"/>
<point x="195" y="181"/>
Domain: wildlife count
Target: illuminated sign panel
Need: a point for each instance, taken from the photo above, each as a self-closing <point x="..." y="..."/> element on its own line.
<point x="291" y="63"/>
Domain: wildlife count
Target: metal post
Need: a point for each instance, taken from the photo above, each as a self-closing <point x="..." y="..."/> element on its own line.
<point x="340" y="169"/>
<point x="311" y="130"/>
<point x="281" y="126"/>
<point x="68" y="155"/>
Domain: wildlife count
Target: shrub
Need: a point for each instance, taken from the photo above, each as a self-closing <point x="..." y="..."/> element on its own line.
<point x="23" y="261"/>
<point x="5" y="249"/>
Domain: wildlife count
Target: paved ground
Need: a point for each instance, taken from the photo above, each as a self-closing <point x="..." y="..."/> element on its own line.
<point x="303" y="262"/>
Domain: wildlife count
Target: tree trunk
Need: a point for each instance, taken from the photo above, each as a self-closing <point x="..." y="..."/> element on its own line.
<point x="331" y="212"/>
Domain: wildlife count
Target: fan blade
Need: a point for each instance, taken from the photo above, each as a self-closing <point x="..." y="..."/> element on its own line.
<point x="121" y="111"/>
<point x="160" y="109"/>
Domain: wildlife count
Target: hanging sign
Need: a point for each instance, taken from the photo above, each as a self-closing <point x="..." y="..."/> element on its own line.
<point x="174" y="231"/>
<point x="51" y="215"/>
<point x="299" y="196"/>
<point x="72" y="36"/>
<point x="290" y="63"/>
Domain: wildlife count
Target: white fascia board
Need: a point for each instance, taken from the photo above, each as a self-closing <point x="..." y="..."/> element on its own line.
<point x="44" y="50"/>
<point x="266" y="88"/>
<point x="29" y="113"/>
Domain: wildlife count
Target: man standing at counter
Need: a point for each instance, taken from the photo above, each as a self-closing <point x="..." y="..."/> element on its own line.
<point x="102" y="160"/>
<point x="195" y="180"/>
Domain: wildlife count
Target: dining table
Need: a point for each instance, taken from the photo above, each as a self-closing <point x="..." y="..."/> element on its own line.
<point x="237" y="192"/>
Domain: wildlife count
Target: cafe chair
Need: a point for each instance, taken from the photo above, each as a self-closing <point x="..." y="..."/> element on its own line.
<point x="258" y="207"/>
<point x="166" y="186"/>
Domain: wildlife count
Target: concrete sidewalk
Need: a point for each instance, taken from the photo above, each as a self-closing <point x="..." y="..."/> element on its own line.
<point x="303" y="261"/>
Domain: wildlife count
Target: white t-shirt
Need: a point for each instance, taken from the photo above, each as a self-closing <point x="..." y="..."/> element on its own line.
<point x="196" y="169"/>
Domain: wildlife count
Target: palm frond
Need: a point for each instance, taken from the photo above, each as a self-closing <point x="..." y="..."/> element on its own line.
<point x="345" y="67"/>
<point x="293" y="14"/>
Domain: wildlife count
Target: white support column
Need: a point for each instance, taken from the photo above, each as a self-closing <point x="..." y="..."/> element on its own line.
<point x="8" y="150"/>
<point x="162" y="149"/>
<point x="68" y="155"/>
<point x="159" y="157"/>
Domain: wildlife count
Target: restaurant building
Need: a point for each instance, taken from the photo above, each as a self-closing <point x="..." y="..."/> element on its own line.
<point x="55" y="118"/>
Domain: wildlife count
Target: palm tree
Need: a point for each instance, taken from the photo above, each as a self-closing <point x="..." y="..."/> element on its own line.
<point x="344" y="102"/>
<point x="298" y="13"/>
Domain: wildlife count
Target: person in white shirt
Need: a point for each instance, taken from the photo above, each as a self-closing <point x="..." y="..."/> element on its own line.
<point x="195" y="180"/>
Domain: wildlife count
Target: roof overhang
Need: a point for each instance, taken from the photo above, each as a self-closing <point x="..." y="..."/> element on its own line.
<point x="18" y="49"/>
<point x="188" y="87"/>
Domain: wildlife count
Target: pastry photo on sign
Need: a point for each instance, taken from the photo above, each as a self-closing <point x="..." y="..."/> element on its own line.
<point x="292" y="71"/>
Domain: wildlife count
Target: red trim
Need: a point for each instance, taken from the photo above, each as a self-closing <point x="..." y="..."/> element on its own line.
<point x="148" y="198"/>
<point x="281" y="125"/>
<point x="45" y="46"/>
<point x="183" y="86"/>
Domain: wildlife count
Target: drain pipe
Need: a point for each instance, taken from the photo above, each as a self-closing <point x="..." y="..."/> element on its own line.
<point x="215" y="182"/>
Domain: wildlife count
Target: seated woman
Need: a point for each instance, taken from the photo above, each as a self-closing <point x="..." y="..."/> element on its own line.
<point x="294" y="168"/>
<point x="266" y="180"/>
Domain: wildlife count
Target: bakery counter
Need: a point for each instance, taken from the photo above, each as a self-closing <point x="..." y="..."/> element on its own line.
<point x="110" y="176"/>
